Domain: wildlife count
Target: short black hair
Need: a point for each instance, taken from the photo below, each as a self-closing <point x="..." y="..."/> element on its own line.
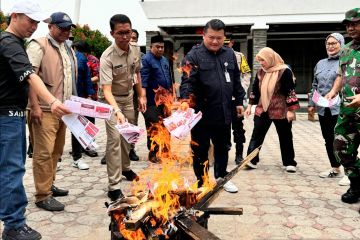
<point x="82" y="46"/>
<point x="215" y="24"/>
<point x="136" y="32"/>
<point x="228" y="35"/>
<point x="118" y="18"/>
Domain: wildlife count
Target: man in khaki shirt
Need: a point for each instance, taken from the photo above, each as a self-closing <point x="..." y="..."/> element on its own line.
<point x="55" y="63"/>
<point x="118" y="65"/>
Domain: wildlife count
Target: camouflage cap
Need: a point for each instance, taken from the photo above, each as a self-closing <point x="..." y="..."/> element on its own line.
<point x="352" y="15"/>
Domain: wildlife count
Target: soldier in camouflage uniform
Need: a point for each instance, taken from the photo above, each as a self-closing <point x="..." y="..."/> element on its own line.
<point x="347" y="129"/>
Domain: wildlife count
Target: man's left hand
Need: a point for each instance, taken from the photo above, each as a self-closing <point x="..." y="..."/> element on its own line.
<point x="355" y="101"/>
<point x="142" y="103"/>
<point x="240" y="111"/>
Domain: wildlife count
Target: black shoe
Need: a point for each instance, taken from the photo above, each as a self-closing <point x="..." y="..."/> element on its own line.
<point x="115" y="195"/>
<point x="103" y="160"/>
<point x="130" y="175"/>
<point x="133" y="156"/>
<point x="57" y="192"/>
<point x="23" y="233"/>
<point x="153" y="158"/>
<point x="351" y="196"/>
<point x="238" y="159"/>
<point x="91" y="153"/>
<point x="50" y="204"/>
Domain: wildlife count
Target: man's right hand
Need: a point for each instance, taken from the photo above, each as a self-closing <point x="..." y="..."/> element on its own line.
<point x="120" y="118"/>
<point x="36" y="115"/>
<point x="59" y="109"/>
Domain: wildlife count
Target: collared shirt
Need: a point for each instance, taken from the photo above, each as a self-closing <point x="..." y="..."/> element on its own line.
<point x="117" y="68"/>
<point x="214" y="79"/>
<point x="36" y="55"/>
<point x="349" y="70"/>
<point x="83" y="84"/>
<point x="155" y="73"/>
<point x="15" y="68"/>
<point x="325" y="73"/>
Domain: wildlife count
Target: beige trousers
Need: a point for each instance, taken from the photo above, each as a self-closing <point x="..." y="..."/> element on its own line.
<point x="117" y="149"/>
<point x="48" y="140"/>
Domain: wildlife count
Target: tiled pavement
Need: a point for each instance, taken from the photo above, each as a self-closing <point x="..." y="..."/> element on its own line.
<point x="277" y="205"/>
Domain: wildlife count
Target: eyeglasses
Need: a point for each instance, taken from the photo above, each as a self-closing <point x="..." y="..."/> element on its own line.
<point x="63" y="29"/>
<point x="331" y="44"/>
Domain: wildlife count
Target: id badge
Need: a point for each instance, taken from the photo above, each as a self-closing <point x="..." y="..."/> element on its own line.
<point x="227" y="77"/>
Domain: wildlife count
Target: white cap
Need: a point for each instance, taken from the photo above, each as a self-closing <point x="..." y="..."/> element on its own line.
<point x="30" y="9"/>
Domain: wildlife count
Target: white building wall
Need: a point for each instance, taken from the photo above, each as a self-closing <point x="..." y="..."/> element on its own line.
<point x="261" y="12"/>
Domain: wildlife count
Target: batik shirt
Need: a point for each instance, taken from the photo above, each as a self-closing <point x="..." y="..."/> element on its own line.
<point x="94" y="65"/>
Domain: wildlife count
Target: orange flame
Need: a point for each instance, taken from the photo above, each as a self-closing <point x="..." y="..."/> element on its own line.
<point x="167" y="187"/>
<point x="185" y="69"/>
<point x="132" y="235"/>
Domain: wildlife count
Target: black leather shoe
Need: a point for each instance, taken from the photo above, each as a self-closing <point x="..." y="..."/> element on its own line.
<point x="153" y="158"/>
<point x="50" y="204"/>
<point x="351" y="196"/>
<point x="133" y="156"/>
<point x="103" y="160"/>
<point x="115" y="195"/>
<point x="57" y="192"/>
<point x="238" y="159"/>
<point x="91" y="153"/>
<point x="22" y="233"/>
<point x="130" y="175"/>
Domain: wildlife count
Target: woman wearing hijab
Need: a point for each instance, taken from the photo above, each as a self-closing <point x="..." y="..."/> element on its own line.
<point x="324" y="77"/>
<point x="273" y="92"/>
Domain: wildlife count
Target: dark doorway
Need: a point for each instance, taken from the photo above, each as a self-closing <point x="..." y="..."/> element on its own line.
<point x="302" y="56"/>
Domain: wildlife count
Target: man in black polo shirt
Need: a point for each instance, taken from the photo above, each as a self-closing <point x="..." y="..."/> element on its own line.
<point x="16" y="73"/>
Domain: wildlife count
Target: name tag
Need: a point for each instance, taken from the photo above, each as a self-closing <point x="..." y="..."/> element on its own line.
<point x="227" y="77"/>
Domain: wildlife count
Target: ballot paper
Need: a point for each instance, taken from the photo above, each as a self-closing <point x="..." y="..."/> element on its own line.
<point x="90" y="108"/>
<point x="131" y="133"/>
<point x="83" y="130"/>
<point x="180" y="122"/>
<point x="323" y="102"/>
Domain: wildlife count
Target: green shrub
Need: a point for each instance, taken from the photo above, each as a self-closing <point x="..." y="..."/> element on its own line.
<point x="97" y="41"/>
<point x="3" y="24"/>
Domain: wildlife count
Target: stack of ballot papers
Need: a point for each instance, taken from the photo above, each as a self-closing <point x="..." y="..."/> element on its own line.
<point x="84" y="130"/>
<point x="180" y="122"/>
<point x="90" y="108"/>
<point x="131" y="133"/>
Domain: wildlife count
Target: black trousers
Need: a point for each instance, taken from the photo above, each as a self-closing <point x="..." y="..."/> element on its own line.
<point x="76" y="147"/>
<point x="238" y="129"/>
<point x="327" y="124"/>
<point x="153" y="115"/>
<point x="201" y="135"/>
<point x="262" y="124"/>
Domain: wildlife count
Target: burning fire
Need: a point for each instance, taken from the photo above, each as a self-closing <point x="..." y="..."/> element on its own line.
<point x="185" y="69"/>
<point x="167" y="188"/>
